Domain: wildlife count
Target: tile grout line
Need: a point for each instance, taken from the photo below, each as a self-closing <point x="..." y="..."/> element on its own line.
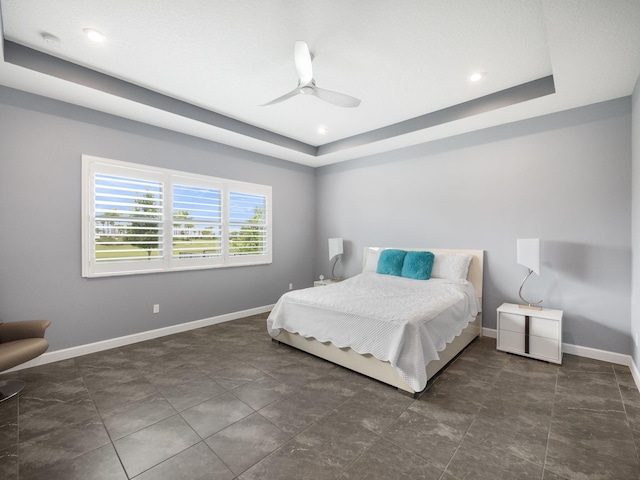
<point x="18" y="473"/>
<point x="103" y="424"/>
<point x="546" y="450"/>
<point x="77" y="456"/>
<point x="293" y="436"/>
<point x="626" y="415"/>
<point x="377" y="438"/>
<point x="475" y="416"/>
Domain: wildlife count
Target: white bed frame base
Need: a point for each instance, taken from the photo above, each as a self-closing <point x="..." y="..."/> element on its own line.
<point x="381" y="370"/>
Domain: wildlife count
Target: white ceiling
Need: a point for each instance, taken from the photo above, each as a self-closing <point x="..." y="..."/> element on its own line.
<point x="402" y="58"/>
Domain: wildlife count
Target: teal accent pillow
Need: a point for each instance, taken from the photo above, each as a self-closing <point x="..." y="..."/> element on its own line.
<point x="390" y="262"/>
<point x="417" y="265"/>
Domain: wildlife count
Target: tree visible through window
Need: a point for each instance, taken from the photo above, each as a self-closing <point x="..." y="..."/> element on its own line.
<point x="247" y="224"/>
<point x="145" y="233"/>
<point x="128" y="222"/>
<point x="197" y="222"/>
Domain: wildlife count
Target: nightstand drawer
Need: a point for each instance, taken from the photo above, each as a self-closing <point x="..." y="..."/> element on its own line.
<point x="539" y="347"/>
<point x="539" y="327"/>
<point x="531" y="333"/>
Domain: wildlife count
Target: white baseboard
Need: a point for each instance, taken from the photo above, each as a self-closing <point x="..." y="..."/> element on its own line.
<point x="489" y="332"/>
<point x="66" y="353"/>
<point x="635" y="373"/>
<point x="594" y="353"/>
<point x="588" y="352"/>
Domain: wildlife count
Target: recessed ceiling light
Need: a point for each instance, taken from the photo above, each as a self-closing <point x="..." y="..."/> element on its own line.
<point x="475" y="77"/>
<point x="322" y="130"/>
<point x="94" y="35"/>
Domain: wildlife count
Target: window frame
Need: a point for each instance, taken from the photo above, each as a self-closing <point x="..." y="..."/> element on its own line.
<point x="92" y="165"/>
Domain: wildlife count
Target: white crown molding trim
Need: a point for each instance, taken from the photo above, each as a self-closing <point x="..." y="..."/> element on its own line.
<point x="67" y="353"/>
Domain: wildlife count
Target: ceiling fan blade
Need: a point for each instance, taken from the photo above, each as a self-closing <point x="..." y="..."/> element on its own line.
<point x="302" y="59"/>
<point x="284" y="97"/>
<point x="336" y="98"/>
<point x="307" y="85"/>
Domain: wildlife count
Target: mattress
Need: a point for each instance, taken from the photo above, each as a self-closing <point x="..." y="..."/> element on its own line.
<point x="403" y="321"/>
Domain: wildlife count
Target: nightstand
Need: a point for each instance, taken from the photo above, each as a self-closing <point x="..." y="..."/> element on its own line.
<point x="530" y="333"/>
<point x="325" y="282"/>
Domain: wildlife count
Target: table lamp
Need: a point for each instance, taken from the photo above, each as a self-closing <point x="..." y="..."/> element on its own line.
<point x="528" y="255"/>
<point x="335" y="250"/>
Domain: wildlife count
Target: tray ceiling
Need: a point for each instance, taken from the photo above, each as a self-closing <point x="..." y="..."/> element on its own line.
<point x="205" y="68"/>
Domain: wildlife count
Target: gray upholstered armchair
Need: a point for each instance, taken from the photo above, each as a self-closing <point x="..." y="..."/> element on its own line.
<point x="19" y="343"/>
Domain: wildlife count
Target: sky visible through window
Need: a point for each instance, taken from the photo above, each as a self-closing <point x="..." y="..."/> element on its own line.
<point x="117" y="195"/>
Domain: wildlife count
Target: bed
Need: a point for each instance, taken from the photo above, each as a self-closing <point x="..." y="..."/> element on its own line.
<point x="397" y="330"/>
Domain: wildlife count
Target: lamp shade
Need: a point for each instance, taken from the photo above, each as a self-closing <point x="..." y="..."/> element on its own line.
<point x="528" y="253"/>
<point x="335" y="247"/>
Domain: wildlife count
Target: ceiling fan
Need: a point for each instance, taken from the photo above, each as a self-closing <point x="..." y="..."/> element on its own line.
<point x="307" y="85"/>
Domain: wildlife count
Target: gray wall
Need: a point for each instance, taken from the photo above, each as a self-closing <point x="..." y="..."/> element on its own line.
<point x="41" y="143"/>
<point x="635" y="241"/>
<point x="565" y="178"/>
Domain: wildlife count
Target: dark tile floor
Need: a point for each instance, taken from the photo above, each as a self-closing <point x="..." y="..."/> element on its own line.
<point x="224" y="402"/>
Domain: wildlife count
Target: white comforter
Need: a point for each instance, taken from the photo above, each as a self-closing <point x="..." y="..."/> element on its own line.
<point x="399" y="320"/>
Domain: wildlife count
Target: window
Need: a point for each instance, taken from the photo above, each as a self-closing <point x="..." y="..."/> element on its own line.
<point x="140" y="219"/>
<point x="197" y="221"/>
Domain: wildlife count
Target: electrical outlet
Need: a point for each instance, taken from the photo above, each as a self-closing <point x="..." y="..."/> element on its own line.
<point x="156" y="308"/>
<point x="291" y="286"/>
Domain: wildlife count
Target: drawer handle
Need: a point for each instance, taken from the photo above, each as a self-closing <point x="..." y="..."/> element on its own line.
<point x="526" y="334"/>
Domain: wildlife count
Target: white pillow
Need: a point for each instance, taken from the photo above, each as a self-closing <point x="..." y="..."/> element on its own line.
<point x="452" y="266"/>
<point x="371" y="261"/>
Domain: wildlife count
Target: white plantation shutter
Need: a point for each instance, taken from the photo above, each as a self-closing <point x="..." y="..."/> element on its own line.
<point x="128" y="219"/>
<point x="247" y="224"/>
<point x="140" y="219"/>
<point x="197" y="222"/>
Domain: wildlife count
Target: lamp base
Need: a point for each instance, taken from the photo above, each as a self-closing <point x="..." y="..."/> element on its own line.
<point x="527" y="304"/>
<point x="333" y="275"/>
<point x="530" y="307"/>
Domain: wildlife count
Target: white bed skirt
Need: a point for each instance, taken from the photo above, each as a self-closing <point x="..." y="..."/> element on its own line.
<point x="372" y="367"/>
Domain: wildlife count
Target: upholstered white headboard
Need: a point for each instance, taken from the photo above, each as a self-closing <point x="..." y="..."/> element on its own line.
<point x="475" y="268"/>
